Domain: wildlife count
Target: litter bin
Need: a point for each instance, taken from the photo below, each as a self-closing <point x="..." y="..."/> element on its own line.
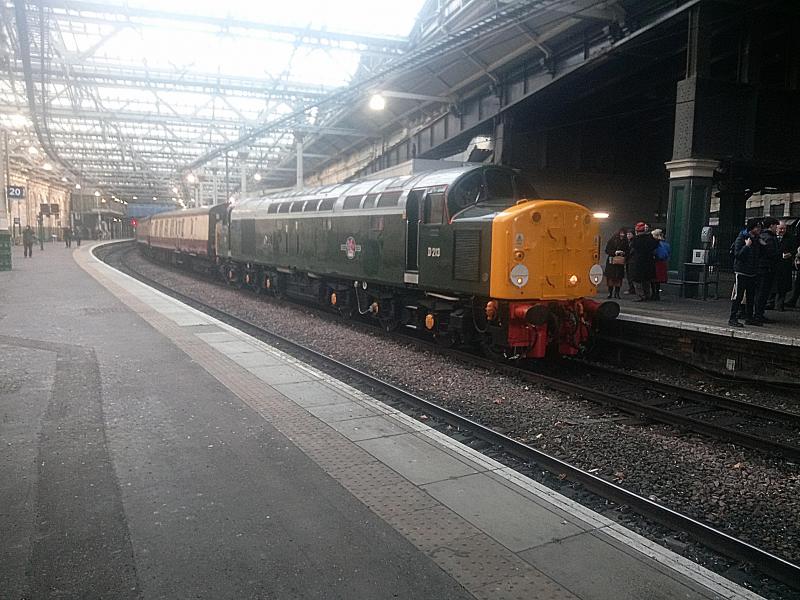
<point x="5" y="251"/>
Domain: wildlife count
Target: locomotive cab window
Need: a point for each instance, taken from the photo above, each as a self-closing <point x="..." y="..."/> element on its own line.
<point x="468" y="191"/>
<point x="434" y="208"/>
<point x="499" y="186"/>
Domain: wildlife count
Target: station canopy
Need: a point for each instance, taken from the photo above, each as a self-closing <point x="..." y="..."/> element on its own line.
<point x="176" y="101"/>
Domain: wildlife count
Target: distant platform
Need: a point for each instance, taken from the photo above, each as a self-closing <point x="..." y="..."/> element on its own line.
<point x="153" y="451"/>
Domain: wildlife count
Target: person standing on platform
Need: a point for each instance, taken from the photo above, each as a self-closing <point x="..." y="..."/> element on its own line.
<point x="643" y="262"/>
<point x="67" y="238"/>
<point x="767" y="261"/>
<point x="617" y="250"/>
<point x="28" y="237"/>
<point x="78" y="237"/>
<point x="631" y="290"/>
<point x="662" y="254"/>
<point x="746" y="250"/>
<point x="787" y="246"/>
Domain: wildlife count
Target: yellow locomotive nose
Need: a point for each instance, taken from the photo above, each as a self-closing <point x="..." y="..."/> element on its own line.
<point x="543" y="249"/>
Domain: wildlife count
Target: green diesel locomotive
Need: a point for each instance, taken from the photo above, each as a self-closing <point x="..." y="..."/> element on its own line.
<point x="468" y="254"/>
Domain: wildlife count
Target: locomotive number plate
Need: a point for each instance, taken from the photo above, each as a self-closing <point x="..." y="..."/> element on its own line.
<point x="434" y="252"/>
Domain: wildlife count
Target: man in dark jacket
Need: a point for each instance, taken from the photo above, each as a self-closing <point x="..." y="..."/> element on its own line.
<point x="746" y="250"/>
<point x="28" y="236"/>
<point x="642" y="261"/>
<point x="787" y="246"/>
<point x="767" y="262"/>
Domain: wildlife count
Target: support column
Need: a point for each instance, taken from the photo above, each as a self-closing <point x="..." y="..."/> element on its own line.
<point x="5" y="233"/>
<point x="299" y="154"/>
<point x="690" y="182"/>
<point x="732" y="211"/>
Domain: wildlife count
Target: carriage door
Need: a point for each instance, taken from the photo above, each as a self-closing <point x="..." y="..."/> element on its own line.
<point x="412" y="229"/>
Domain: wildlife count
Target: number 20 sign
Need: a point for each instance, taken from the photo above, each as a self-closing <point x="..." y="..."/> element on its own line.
<point x="15" y="192"/>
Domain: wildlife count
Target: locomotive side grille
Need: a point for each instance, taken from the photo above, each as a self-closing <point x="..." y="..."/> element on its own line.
<point x="467" y="256"/>
<point x="249" y="236"/>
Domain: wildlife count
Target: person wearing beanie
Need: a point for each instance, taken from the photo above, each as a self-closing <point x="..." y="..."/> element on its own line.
<point x="746" y="250"/>
<point x="643" y="262"/>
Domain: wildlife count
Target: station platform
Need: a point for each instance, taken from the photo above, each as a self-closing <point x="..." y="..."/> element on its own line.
<point x="696" y="332"/>
<point x="151" y="451"/>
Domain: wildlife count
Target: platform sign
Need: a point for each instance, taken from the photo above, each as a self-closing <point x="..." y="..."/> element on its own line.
<point x="55" y="209"/>
<point x="16" y="220"/>
<point x="15" y="192"/>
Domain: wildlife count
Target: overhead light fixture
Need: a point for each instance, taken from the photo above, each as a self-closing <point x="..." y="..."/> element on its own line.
<point x="257" y="176"/>
<point x="98" y="194"/>
<point x="103" y="200"/>
<point x="64" y="179"/>
<point x="77" y="186"/>
<point x="174" y="189"/>
<point x="191" y="178"/>
<point x="155" y="198"/>
<point x="135" y="198"/>
<point x="32" y="150"/>
<point x="47" y="166"/>
<point x="601" y="215"/>
<point x="377" y="102"/>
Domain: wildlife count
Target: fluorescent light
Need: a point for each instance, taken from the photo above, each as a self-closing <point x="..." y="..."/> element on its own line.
<point x="601" y="215"/>
<point x="77" y="186"/>
<point x="257" y="176"/>
<point x="98" y="194"/>
<point x="191" y="178"/>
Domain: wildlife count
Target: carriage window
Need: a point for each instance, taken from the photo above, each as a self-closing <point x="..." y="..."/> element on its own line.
<point x="284" y="207"/>
<point x="370" y="201"/>
<point x="500" y="185"/>
<point x="310" y="205"/>
<point x="434" y="208"/>
<point x="327" y="204"/>
<point x="388" y="199"/>
<point x="297" y="206"/>
<point x="273" y="208"/>
<point x="352" y="202"/>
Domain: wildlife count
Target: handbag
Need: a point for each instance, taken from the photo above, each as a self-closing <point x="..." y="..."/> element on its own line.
<point x="617" y="260"/>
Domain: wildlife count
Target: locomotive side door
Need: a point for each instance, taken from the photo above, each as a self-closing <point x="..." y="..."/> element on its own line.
<point x="412" y="229"/>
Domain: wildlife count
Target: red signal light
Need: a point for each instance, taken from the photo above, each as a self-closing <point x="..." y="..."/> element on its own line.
<point x="134" y="222"/>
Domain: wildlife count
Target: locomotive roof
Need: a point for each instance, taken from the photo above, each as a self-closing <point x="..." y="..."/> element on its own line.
<point x="425" y="179"/>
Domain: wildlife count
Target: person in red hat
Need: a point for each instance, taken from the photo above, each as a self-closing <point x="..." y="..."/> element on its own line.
<point x="642" y="261"/>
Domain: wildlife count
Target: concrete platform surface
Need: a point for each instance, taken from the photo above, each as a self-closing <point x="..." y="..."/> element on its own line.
<point x="151" y="451"/>
<point x="709" y="316"/>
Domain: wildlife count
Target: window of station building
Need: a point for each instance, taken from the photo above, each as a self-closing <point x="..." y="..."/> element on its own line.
<point x="284" y="207"/>
<point x="776" y="210"/>
<point x="352" y="202"/>
<point x="755" y="211"/>
<point x="369" y="202"/>
<point x="376" y="223"/>
<point x="327" y="204"/>
<point x="388" y="199"/>
<point x="434" y="208"/>
<point x="297" y="206"/>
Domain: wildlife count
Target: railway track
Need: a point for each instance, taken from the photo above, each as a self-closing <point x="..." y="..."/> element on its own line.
<point x="774" y="566"/>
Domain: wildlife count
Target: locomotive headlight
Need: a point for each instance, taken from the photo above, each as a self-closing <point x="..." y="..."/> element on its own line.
<point x="519" y="275"/>
<point x="573" y="280"/>
<point x="596" y="274"/>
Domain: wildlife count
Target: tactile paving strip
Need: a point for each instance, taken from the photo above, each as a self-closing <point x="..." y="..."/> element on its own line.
<point x="483" y="566"/>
